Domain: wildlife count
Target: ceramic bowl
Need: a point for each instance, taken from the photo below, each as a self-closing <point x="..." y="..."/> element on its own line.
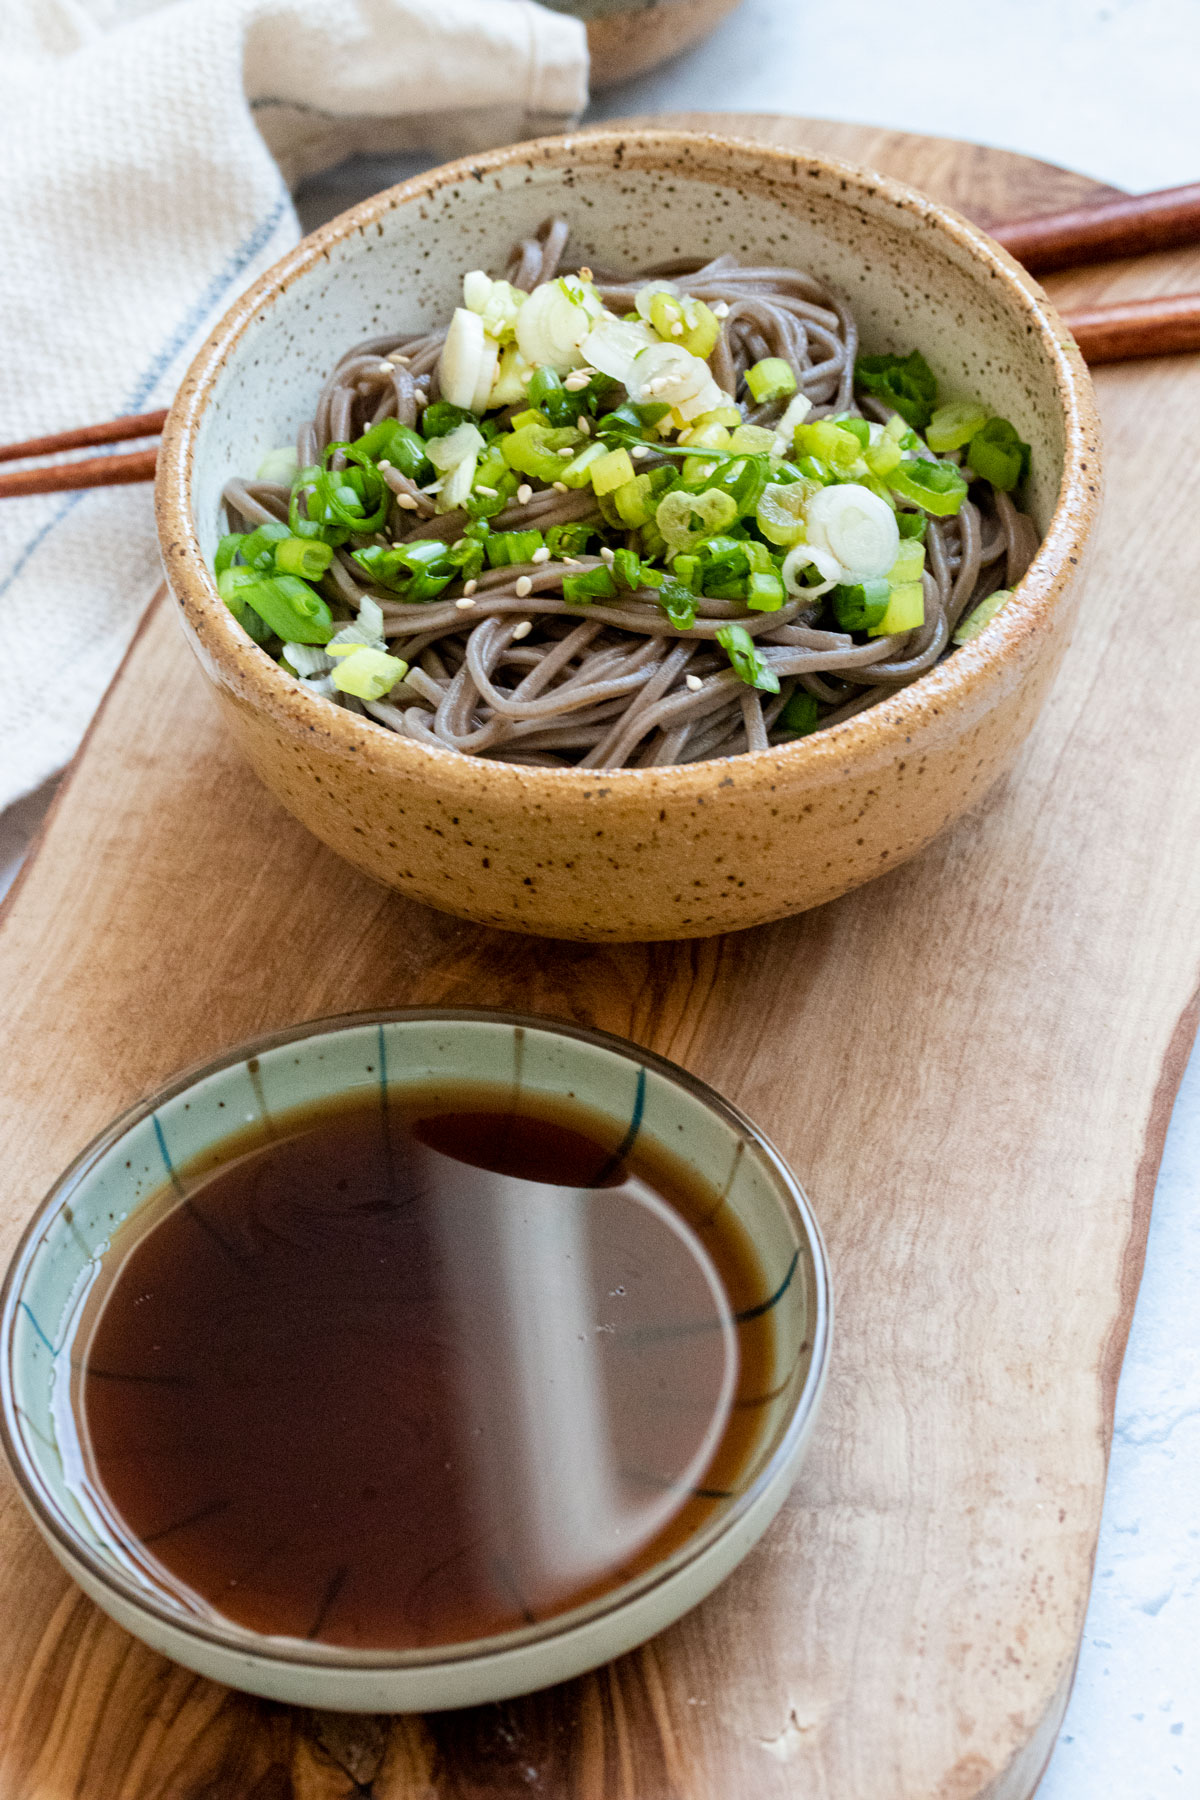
<point x="641" y="853"/>
<point x="627" y="37"/>
<point x="62" y="1250"/>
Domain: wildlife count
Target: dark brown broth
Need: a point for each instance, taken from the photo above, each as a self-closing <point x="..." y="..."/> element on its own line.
<point x="408" y="1378"/>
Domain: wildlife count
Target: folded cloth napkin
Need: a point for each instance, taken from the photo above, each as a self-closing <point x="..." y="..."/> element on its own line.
<point x="147" y="150"/>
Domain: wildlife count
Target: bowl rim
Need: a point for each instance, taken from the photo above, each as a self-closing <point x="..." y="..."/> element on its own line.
<point x="240" y="1639"/>
<point x="879" y="729"/>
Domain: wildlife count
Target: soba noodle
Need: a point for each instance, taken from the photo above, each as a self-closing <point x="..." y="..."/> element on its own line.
<point x="505" y="667"/>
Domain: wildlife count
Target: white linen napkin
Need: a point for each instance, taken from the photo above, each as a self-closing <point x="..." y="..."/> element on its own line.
<point x="146" y="149"/>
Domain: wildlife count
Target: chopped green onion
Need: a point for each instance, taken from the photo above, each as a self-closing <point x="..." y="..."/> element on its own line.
<point x="627" y="568"/>
<point x="634" y="501"/>
<point x="858" y="428"/>
<point x="686" y="519"/>
<point x="569" y="540"/>
<point x="505" y="548"/>
<point x="753" y="440"/>
<point x="997" y="454"/>
<point x="400" y="445"/>
<point x="905" y="611"/>
<point x="833" y="443"/>
<point x="230" y="583"/>
<point x="747" y="663"/>
<point x="780" y="512"/>
<point x="909" y="564"/>
<point x="594" y="584"/>
<point x="937" y="486"/>
<point x="227" y="549"/>
<point x="687" y="569"/>
<point x="954" y="425"/>
<point x="416" y="572"/>
<point x="611" y="471"/>
<point x="677" y="601"/>
<point x="764" y="592"/>
<point x="800" y="715"/>
<point x="368" y="673"/>
<point x="906" y="383"/>
<point x="440" y="418"/>
<point x="293" y="611"/>
<point x="911" y="525"/>
<point x="547" y="392"/>
<point x="279" y="466"/>
<point x="259" y="546"/>
<point x="533" y="450"/>
<point x="303" y="556"/>
<point x="577" y="472"/>
<point x="770" y="379"/>
<point x="863" y="605"/>
<point x="983" y="614"/>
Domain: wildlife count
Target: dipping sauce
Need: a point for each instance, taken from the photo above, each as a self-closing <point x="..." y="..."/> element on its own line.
<point x="390" y="1377"/>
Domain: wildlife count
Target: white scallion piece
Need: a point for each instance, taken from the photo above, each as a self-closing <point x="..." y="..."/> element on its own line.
<point x="462" y="359"/>
<point x="856" y="527"/>
<point x="795" y="413"/>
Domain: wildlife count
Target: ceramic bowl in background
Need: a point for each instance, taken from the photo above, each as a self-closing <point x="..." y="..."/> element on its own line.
<point x="664" y="852"/>
<point x="65" y="1244"/>
<point x="627" y="37"/>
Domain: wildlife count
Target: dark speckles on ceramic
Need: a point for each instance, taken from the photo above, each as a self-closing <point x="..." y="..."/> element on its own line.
<point x="654" y="853"/>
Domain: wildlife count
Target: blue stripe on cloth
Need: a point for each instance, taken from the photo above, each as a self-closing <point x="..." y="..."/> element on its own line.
<point x="153" y="373"/>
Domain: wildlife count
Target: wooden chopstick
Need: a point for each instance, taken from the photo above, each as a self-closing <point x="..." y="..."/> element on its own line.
<point x="113" y="431"/>
<point x="1129" y="225"/>
<point x="95" y="471"/>
<point x="1124" y="329"/>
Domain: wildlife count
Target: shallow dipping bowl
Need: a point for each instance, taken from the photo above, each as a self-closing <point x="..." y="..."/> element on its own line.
<point x="640" y="853"/>
<point x="64" y="1247"/>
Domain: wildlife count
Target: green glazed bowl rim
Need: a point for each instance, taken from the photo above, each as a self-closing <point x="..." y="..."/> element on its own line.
<point x="239" y="1639"/>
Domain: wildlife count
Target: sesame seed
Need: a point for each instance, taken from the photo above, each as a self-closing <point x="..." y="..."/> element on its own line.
<point x="585" y="425"/>
<point x="526" y="377"/>
<point x="524" y="493"/>
<point x="385" y="368"/>
<point x="399" y="357"/>
<point x="464" y="604"/>
<point x="524" y="628"/>
<point x="575" y="384"/>
<point x="607" y="552"/>
<point x="524" y="586"/>
<point x="407" y="502"/>
<point x="721" y="309"/>
<point x="694" y="683"/>
<point x="677" y="328"/>
<point x="492" y="493"/>
<point x="560" y="487"/>
<point x="384" y="463"/>
<point x="573" y="561"/>
<point x="541" y="556"/>
<point x="567" y="453"/>
<point x="639" y="450"/>
<point x="470" y="586"/>
<point x="585" y="274"/>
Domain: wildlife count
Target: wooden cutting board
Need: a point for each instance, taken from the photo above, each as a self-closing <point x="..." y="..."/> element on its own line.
<point x="971" y="1063"/>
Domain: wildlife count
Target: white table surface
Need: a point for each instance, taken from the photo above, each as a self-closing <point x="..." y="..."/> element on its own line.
<point x="1114" y="90"/>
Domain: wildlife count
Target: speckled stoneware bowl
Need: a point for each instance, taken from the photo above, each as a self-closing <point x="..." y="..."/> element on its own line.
<point x="61" y="1252"/>
<point x="627" y="37"/>
<point x="640" y="853"/>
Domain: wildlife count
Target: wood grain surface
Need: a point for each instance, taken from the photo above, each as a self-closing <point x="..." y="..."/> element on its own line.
<point x="970" y="1062"/>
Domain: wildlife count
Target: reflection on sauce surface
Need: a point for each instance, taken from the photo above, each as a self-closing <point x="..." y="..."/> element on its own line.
<point x="404" y="1378"/>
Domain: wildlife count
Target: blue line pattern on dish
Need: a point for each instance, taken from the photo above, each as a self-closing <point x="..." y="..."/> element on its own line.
<point x="764" y="1306"/>
<point x="166" y="1156"/>
<point x="613" y="1163"/>
<point x="29" y="1314"/>
<point x="146" y="382"/>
